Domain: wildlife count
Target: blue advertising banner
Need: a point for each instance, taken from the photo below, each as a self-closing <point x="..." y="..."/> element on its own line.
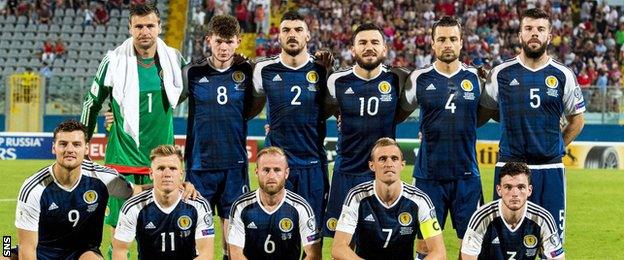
<point x="25" y="146"/>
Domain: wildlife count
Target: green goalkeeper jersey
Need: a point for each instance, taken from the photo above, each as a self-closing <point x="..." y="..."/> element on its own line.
<point x="155" y="120"/>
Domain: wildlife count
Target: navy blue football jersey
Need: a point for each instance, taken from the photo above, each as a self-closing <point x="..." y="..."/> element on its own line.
<point x="68" y="219"/>
<point x="490" y="237"/>
<point x="367" y="109"/>
<point x="531" y="104"/>
<point x="448" y="121"/>
<point x="294" y="101"/>
<point x="165" y="233"/>
<point x="387" y="232"/>
<point x="279" y="234"/>
<point x="217" y="128"/>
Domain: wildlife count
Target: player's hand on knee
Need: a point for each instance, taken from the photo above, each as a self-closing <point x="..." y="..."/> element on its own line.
<point x="325" y="58"/>
<point x="189" y="191"/>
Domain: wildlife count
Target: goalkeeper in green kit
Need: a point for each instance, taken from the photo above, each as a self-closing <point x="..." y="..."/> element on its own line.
<point x="143" y="79"/>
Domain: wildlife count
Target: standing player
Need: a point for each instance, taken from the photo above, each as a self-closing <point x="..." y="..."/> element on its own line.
<point x="294" y="87"/>
<point x="219" y="106"/>
<point x="165" y="226"/>
<point x="141" y="101"/>
<point x="60" y="209"/>
<point x="367" y="96"/>
<point x="512" y="227"/>
<point x="383" y="216"/>
<point x="272" y="222"/>
<point x="448" y="94"/>
<point x="531" y="93"/>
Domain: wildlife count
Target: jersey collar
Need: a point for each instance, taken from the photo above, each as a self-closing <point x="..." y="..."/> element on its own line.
<point x="295" y="68"/>
<point x="169" y="209"/>
<point x="279" y="205"/>
<point x="459" y="68"/>
<point x="61" y="186"/>
<point x="500" y="211"/>
<point x="534" y="70"/>
<point x="381" y="202"/>
<point x="381" y="69"/>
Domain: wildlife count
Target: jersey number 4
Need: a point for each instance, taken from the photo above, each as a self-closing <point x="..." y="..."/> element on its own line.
<point x="450" y="105"/>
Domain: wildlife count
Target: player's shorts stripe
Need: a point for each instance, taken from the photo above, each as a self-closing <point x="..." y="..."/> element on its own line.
<point x="145" y="196"/>
<point x="298" y="199"/>
<point x="357" y="190"/>
<point x="482" y="214"/>
<point x="545" y="215"/>
<point x="37" y="178"/>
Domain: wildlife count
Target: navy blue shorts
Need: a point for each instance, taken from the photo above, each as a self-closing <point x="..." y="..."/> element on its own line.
<point x="461" y="197"/>
<point x="340" y="186"/>
<point x="53" y="253"/>
<point x="220" y="187"/>
<point x="312" y="184"/>
<point x="549" y="190"/>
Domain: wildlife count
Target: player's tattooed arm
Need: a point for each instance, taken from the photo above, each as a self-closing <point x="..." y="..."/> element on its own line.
<point x="573" y="128"/>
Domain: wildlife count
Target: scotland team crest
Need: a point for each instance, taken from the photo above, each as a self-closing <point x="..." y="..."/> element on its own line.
<point x="405" y="219"/>
<point x="90" y="196"/>
<point x="184" y="222"/>
<point x="552" y="82"/>
<point x="238" y="76"/>
<point x="285" y="225"/>
<point x="312" y="77"/>
<point x="530" y="241"/>
<point x="384" y="87"/>
<point x="331" y="224"/>
<point x="466" y="85"/>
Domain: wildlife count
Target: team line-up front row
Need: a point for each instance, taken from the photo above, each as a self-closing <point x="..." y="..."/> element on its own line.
<point x="368" y="210"/>
<point x="61" y="209"/>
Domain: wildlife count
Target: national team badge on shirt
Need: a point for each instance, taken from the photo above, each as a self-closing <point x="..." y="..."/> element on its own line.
<point x="331" y="224"/>
<point x="384" y="87"/>
<point x="405" y="218"/>
<point x="90" y="196"/>
<point x="285" y="225"/>
<point x="552" y="82"/>
<point x="312" y="77"/>
<point x="466" y="85"/>
<point x="530" y="241"/>
<point x="238" y="76"/>
<point x="184" y="222"/>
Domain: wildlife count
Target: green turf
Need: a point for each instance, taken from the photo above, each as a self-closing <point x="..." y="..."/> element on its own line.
<point x="593" y="228"/>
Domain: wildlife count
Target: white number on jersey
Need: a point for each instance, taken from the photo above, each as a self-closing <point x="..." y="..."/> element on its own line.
<point x="269" y="246"/>
<point x="222" y="95"/>
<point x="534" y="97"/>
<point x="450" y="105"/>
<point x="294" y="101"/>
<point x="389" y="230"/>
<point x="371" y="107"/>
<point x="512" y="255"/>
<point x="163" y="241"/>
<point x="73" y="216"/>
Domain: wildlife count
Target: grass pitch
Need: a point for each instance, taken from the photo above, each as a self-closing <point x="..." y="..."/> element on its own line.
<point x="593" y="230"/>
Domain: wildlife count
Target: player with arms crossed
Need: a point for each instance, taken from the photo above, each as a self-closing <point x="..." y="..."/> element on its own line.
<point x="382" y="217"/>
<point x="272" y="222"/>
<point x="219" y="106"/>
<point x="164" y="225"/>
<point x="448" y="94"/>
<point x="528" y="95"/>
<point x="142" y="77"/>
<point x="512" y="227"/>
<point x="60" y="209"/>
<point x="294" y="85"/>
<point x="367" y="96"/>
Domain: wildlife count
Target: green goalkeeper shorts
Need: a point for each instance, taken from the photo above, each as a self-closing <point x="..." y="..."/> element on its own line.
<point x="114" y="204"/>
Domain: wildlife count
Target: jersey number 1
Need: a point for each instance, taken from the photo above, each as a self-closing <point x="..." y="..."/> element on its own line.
<point x="163" y="237"/>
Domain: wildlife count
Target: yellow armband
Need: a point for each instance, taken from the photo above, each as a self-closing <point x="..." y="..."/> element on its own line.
<point x="430" y="228"/>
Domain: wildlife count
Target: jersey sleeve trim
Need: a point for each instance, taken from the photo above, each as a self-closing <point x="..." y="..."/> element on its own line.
<point x="257" y="75"/>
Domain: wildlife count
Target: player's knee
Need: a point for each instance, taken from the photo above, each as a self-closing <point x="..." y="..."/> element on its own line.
<point x="90" y="255"/>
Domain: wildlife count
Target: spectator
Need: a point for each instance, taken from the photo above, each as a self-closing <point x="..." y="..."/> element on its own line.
<point x="242" y="15"/>
<point x="101" y="15"/>
<point x="46" y="71"/>
<point x="48" y="52"/>
<point x="88" y="15"/>
<point x="602" y="81"/>
<point x="199" y="17"/>
<point x="44" y="14"/>
<point x="59" y="48"/>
